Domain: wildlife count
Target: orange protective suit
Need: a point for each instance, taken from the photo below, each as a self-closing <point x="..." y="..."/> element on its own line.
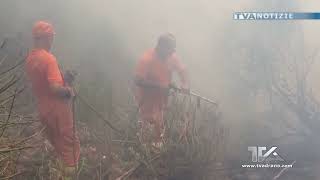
<point x="152" y="101"/>
<point x="56" y="113"/>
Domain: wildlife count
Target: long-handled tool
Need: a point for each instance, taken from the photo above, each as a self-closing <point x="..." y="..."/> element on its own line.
<point x="74" y="136"/>
<point x="179" y="90"/>
<point x="69" y="77"/>
<point x="107" y="122"/>
<point x="188" y="92"/>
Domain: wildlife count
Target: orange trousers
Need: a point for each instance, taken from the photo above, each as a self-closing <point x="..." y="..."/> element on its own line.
<point x="60" y="132"/>
<point x="151" y="113"/>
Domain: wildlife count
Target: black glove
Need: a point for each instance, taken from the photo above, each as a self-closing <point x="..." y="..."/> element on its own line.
<point x="185" y="90"/>
<point x="69" y="77"/>
<point x="173" y="86"/>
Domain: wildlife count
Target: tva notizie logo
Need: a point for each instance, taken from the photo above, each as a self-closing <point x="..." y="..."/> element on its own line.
<point x="258" y="155"/>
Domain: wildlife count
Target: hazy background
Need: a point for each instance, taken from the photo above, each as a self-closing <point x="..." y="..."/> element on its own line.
<point x="104" y="39"/>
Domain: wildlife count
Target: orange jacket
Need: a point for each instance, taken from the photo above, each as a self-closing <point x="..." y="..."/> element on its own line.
<point x="42" y="70"/>
<point x="150" y="68"/>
